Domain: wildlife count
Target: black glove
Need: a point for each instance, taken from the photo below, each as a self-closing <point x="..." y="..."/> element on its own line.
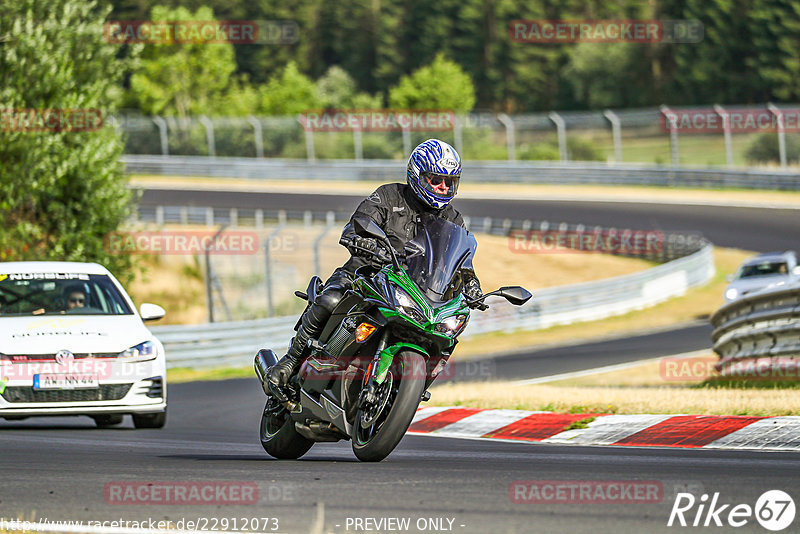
<point x="472" y="290"/>
<point x="364" y="246"/>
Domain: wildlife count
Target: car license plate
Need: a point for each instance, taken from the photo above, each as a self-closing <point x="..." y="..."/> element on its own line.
<point x="65" y="381"/>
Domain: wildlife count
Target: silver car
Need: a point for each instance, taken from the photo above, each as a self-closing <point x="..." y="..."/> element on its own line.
<point x="761" y="272"/>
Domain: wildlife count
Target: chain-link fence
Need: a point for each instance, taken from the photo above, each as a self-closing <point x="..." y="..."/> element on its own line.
<point x="712" y="135"/>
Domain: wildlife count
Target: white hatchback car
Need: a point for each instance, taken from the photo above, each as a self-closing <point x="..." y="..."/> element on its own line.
<point x="72" y="343"/>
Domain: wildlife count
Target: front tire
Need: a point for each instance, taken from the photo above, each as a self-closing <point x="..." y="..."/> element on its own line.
<point x="278" y="435"/>
<point x="105" y="421"/>
<point x="378" y="440"/>
<point x="150" y="420"/>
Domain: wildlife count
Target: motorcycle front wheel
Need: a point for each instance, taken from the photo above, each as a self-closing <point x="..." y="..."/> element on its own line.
<point x="378" y="428"/>
<point x="278" y="435"/>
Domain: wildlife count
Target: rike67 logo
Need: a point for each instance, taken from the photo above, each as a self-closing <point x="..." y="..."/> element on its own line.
<point x="774" y="510"/>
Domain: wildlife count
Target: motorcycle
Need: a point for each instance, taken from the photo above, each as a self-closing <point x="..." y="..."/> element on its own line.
<point x="385" y="343"/>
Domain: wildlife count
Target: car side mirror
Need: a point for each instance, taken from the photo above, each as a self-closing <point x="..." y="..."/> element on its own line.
<point x="729" y="278"/>
<point x="516" y="295"/>
<point x="367" y="227"/>
<point x="151" y="312"/>
<point x="796" y="270"/>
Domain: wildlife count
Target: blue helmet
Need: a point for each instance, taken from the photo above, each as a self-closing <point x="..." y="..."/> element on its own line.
<point x="434" y="170"/>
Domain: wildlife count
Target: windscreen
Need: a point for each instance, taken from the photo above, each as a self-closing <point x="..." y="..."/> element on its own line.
<point x="59" y="293"/>
<point x="443" y="248"/>
<point x="763" y="269"/>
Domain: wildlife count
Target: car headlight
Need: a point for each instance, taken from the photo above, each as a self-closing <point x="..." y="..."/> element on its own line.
<point x="452" y="326"/>
<point x="407" y="306"/>
<point x="140" y="353"/>
<point x="731" y="293"/>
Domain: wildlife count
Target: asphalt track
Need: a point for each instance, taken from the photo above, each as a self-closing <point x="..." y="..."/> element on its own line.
<point x="57" y="468"/>
<point x="757" y="229"/>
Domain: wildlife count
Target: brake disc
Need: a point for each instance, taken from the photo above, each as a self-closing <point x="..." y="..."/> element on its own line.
<point x="371" y="412"/>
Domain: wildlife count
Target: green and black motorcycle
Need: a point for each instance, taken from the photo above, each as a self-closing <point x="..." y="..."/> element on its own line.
<point x="383" y="346"/>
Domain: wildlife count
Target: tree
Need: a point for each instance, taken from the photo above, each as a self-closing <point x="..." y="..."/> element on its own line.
<point x="288" y="93"/>
<point x="182" y="79"/>
<point x="440" y="85"/>
<point x="336" y="89"/>
<point x="61" y="190"/>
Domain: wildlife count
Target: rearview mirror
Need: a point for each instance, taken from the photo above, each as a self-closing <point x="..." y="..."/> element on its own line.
<point x="729" y="278"/>
<point x="367" y="227"/>
<point x="516" y="295"/>
<point x="151" y="312"/>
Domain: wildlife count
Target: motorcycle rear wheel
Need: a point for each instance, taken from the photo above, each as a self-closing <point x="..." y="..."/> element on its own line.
<point x="278" y="435"/>
<point x="378" y="440"/>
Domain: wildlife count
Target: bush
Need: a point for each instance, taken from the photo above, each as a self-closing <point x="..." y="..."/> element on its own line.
<point x="764" y="148"/>
<point x="61" y="192"/>
<point x="578" y="149"/>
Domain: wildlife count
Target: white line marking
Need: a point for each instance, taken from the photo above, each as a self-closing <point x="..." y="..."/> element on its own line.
<point x="605" y="369"/>
<point x="482" y="422"/>
<point x="608" y="429"/>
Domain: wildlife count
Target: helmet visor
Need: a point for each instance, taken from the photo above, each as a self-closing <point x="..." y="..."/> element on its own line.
<point x="441" y="185"/>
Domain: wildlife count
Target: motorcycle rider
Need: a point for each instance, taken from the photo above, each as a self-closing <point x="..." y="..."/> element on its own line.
<point x="433" y="174"/>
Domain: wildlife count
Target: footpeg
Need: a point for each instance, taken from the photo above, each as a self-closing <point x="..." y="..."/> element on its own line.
<point x="426" y="396"/>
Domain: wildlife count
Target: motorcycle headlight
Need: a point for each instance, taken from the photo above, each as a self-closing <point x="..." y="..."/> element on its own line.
<point x="407" y="306"/>
<point x="140" y="353"/>
<point x="452" y="326"/>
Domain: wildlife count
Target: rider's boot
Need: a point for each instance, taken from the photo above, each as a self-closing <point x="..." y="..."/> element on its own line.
<point x="280" y="373"/>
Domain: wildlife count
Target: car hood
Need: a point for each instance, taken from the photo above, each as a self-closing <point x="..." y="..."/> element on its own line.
<point x="756" y="283"/>
<point x="80" y="334"/>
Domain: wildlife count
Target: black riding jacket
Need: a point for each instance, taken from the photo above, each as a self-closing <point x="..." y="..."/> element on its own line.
<point x="396" y="209"/>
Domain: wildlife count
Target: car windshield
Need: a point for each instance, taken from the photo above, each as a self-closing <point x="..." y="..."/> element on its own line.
<point x="59" y="293"/>
<point x="443" y="249"/>
<point x="763" y="269"/>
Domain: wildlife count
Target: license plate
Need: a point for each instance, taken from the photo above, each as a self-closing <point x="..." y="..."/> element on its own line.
<point x="65" y="381"/>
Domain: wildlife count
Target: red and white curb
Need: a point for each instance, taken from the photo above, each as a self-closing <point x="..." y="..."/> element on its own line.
<point x="642" y="430"/>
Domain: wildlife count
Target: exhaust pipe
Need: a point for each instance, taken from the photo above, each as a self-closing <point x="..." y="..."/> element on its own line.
<point x="263" y="361"/>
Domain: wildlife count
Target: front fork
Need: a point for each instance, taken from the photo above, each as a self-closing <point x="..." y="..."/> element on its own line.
<point x="367" y="395"/>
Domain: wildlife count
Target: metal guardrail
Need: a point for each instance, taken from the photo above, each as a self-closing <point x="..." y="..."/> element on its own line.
<point x="758" y="335"/>
<point x="235" y="343"/>
<point x="475" y="171"/>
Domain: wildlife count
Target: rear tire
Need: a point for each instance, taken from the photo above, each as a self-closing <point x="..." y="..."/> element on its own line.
<point x="105" y="421"/>
<point x="278" y="435"/>
<point x="379" y="440"/>
<point x="150" y="420"/>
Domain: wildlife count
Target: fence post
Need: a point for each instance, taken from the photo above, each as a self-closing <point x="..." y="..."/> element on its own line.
<point x="209" y="126"/>
<point x="210" y="217"/>
<point x="162" y="133"/>
<point x="160" y="216"/>
<point x="510" y="138"/>
<point x="672" y="121"/>
<point x="268" y="265"/>
<point x="309" y="133"/>
<point x="210" y="275"/>
<point x="330" y="217"/>
<point x="726" y="128"/>
<point x="458" y="138"/>
<point x="616" y="134"/>
<point x="358" y="144"/>
<point x="259" y="138"/>
<point x="781" y="132"/>
<point x="561" y="129"/>
<point x="407" y="140"/>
